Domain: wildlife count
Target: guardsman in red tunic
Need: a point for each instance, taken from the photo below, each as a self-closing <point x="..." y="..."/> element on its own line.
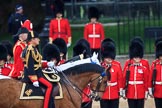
<point x="59" y="26"/>
<point x="113" y="91"/>
<point x="61" y="44"/>
<point x="33" y="68"/>
<point x="18" y="66"/>
<point x="155" y="77"/>
<point x="4" y="69"/>
<point x="143" y="62"/>
<point x="94" y="31"/>
<point x="135" y="77"/>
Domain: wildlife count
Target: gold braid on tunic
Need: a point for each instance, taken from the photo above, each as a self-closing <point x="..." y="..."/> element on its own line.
<point x="36" y="56"/>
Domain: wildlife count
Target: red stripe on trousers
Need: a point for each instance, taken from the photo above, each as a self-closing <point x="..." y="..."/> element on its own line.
<point x="48" y="91"/>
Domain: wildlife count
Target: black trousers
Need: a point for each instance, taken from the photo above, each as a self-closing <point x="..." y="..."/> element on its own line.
<point x="97" y="51"/>
<point x="105" y="103"/>
<point x="158" y="102"/>
<point x="136" y="103"/>
<point x="86" y="104"/>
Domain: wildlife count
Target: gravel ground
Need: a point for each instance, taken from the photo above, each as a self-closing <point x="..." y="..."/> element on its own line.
<point x="149" y="103"/>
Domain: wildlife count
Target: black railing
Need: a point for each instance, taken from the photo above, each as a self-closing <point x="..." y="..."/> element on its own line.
<point x="134" y="15"/>
<point x="132" y="18"/>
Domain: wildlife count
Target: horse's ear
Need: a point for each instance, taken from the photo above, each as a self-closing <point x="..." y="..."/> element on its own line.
<point x="97" y="55"/>
<point x="94" y="54"/>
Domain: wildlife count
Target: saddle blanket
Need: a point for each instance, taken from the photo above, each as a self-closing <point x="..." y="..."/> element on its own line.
<point x="28" y="91"/>
<point x="4" y="77"/>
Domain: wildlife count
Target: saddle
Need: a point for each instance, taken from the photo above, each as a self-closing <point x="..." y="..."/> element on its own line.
<point x="29" y="91"/>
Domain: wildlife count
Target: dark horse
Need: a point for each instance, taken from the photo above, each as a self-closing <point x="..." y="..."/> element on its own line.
<point x="73" y="80"/>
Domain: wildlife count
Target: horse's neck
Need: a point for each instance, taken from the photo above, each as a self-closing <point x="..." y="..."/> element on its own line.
<point x="81" y="80"/>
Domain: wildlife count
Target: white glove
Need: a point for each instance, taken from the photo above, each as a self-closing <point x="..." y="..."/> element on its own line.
<point x="121" y="92"/>
<point x="124" y="95"/>
<point x="69" y="44"/>
<point x="36" y="84"/>
<point x="146" y="94"/>
<point x="51" y="64"/>
<point x="150" y="92"/>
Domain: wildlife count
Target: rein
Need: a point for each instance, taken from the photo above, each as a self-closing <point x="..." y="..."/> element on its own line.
<point x="68" y="82"/>
<point x="93" y="95"/>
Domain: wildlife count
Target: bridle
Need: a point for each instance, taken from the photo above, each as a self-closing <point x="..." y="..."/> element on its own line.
<point x="93" y="94"/>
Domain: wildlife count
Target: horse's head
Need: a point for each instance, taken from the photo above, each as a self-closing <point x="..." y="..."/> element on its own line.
<point x="94" y="59"/>
<point x="98" y="85"/>
<point x="88" y="73"/>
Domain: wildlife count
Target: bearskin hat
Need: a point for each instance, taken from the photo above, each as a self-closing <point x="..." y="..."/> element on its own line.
<point x="136" y="48"/>
<point x="61" y="44"/>
<point x="138" y="39"/>
<point x="3" y="52"/>
<point x="51" y="51"/>
<point x="159" y="49"/>
<point x="59" y="6"/>
<point x="93" y="13"/>
<point x="9" y="47"/>
<point x="108" y="40"/>
<point x="82" y="46"/>
<point x="158" y="40"/>
<point x="32" y="34"/>
<point x="108" y="48"/>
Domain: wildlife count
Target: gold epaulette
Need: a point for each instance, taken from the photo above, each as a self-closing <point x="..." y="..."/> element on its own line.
<point x="30" y="47"/>
<point x="35" y="55"/>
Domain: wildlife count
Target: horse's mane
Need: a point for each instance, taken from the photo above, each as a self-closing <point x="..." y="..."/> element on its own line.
<point x="87" y="67"/>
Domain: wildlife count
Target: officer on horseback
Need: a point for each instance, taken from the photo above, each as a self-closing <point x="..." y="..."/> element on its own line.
<point x="33" y="68"/>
